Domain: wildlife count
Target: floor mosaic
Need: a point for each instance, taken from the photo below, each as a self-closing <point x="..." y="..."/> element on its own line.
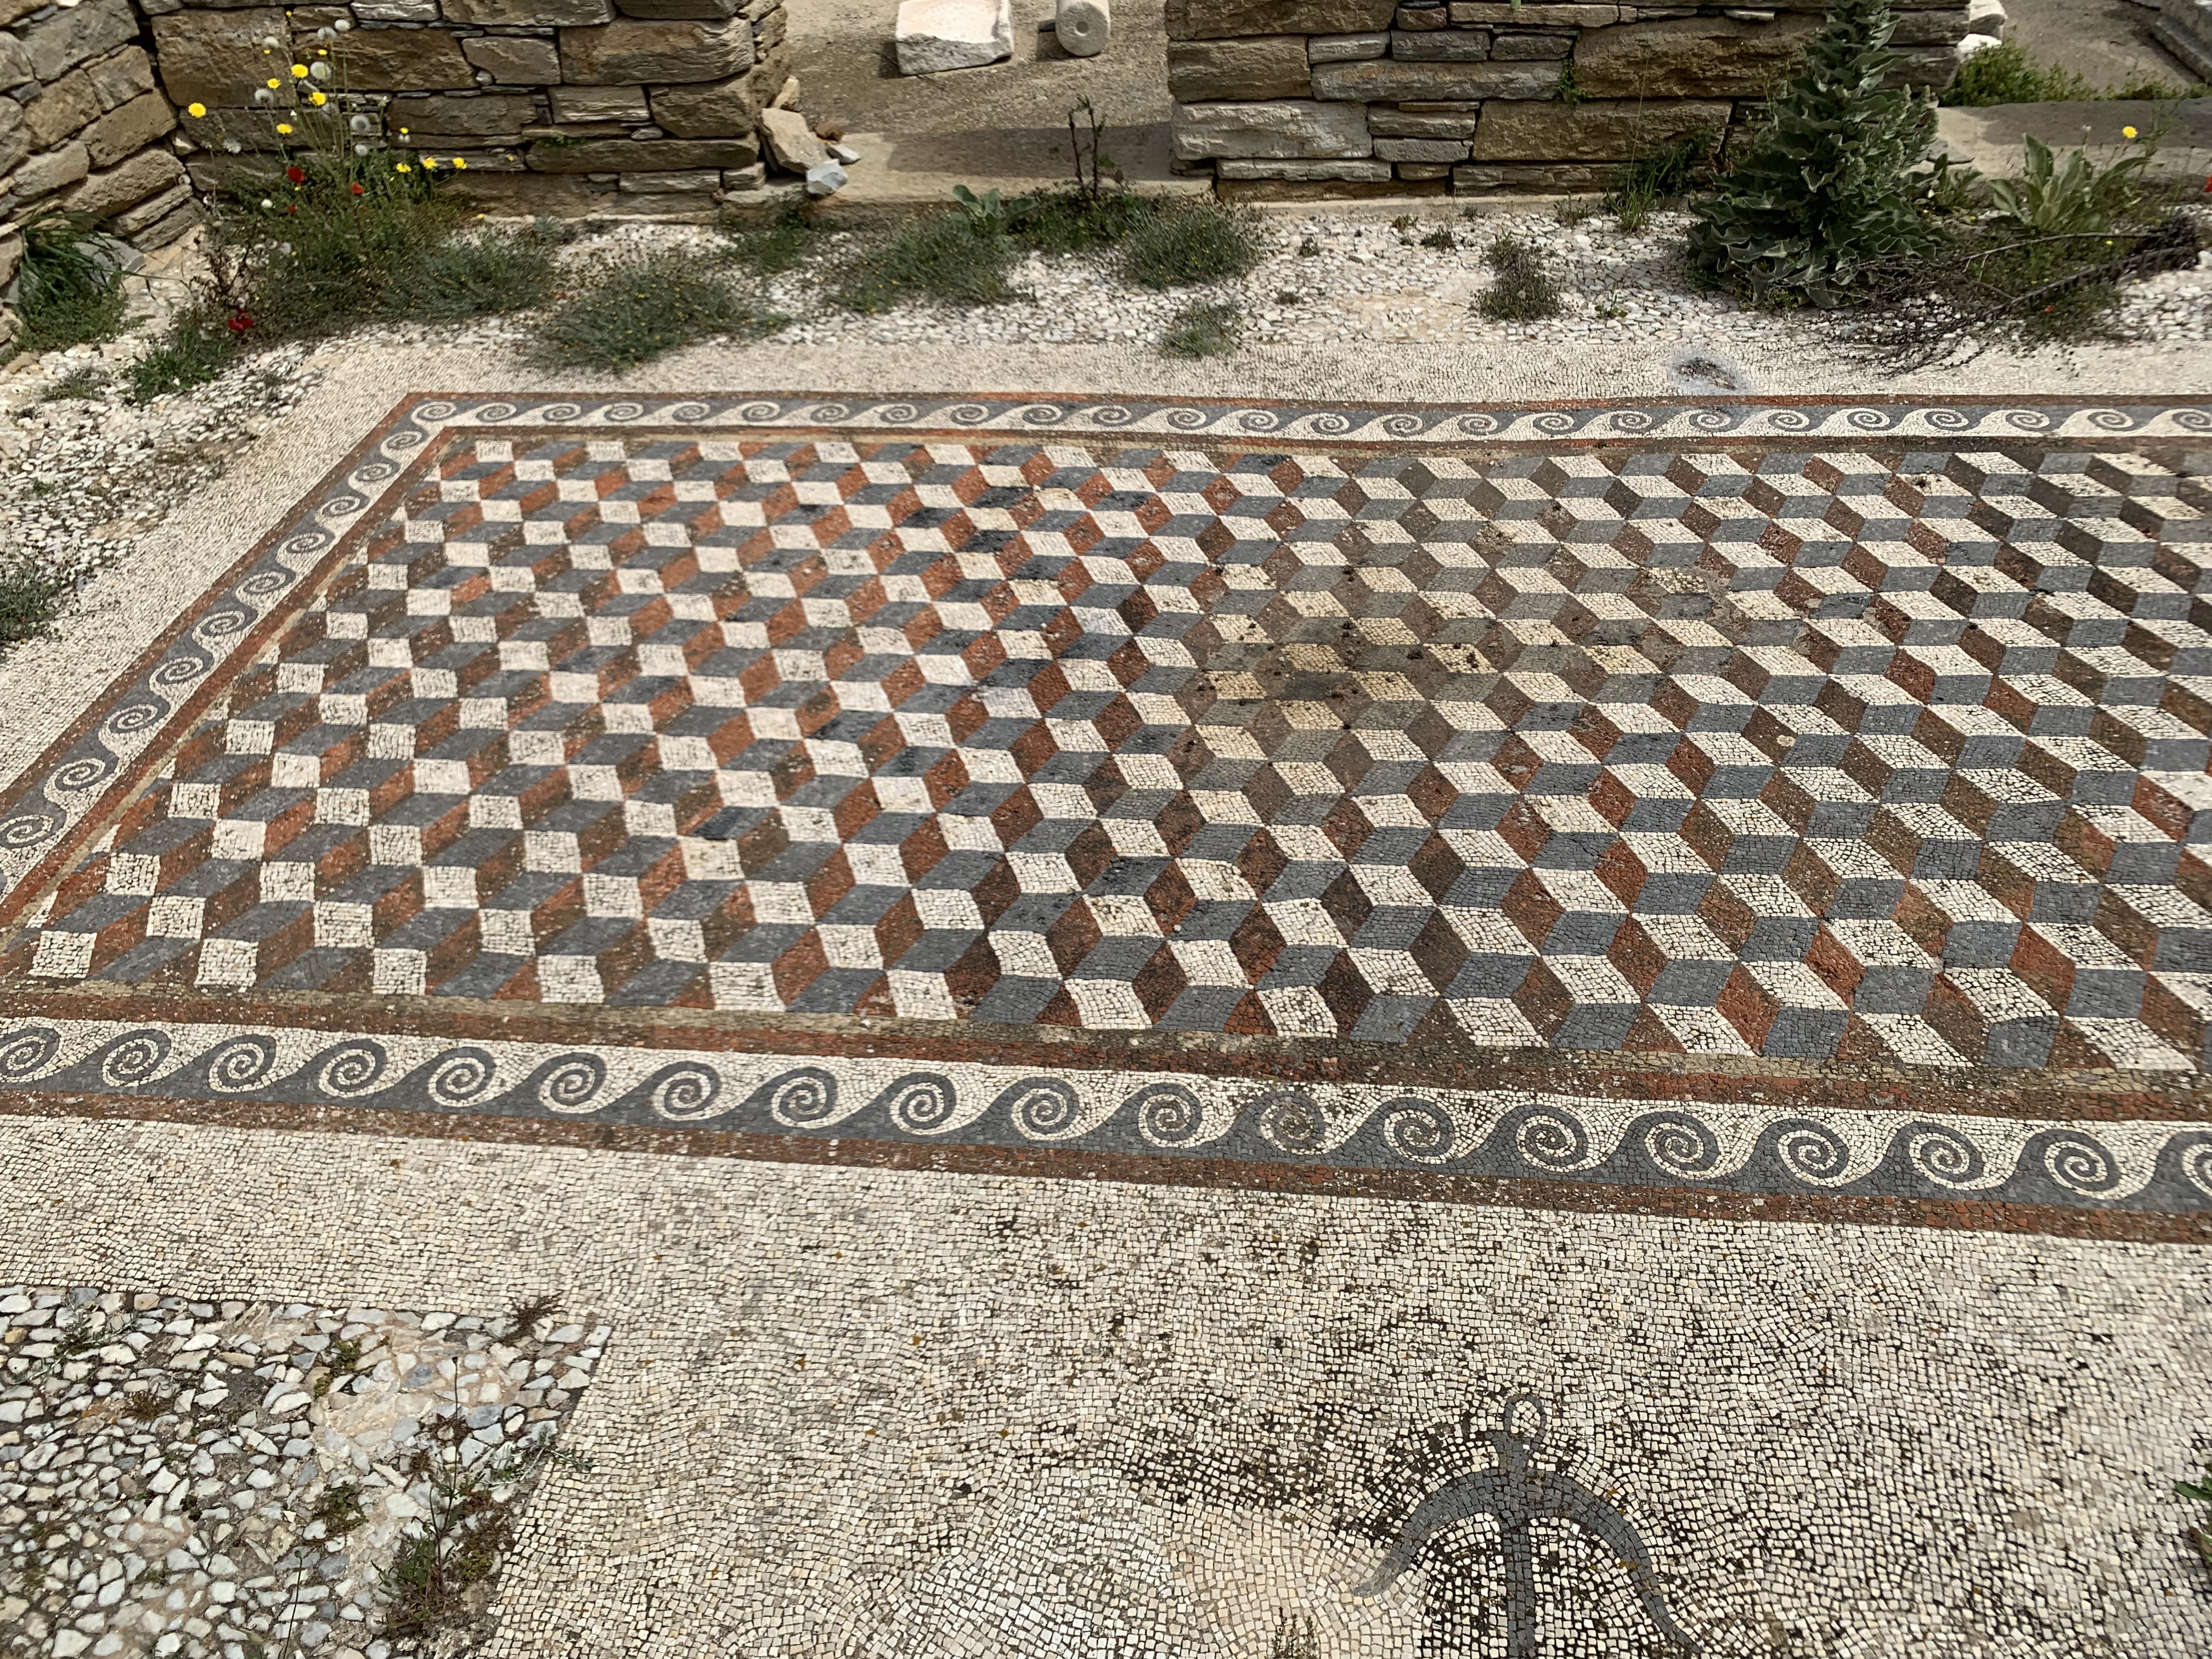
<point x="1808" y="740"/>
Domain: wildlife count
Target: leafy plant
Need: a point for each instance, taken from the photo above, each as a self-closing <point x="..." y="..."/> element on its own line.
<point x="944" y="257"/>
<point x="2077" y="199"/>
<point x="1837" y="180"/>
<point x="29" y="601"/>
<point x="642" y="308"/>
<point x="1441" y="239"/>
<point x="988" y="214"/>
<point x="194" y="347"/>
<point x="1671" y="170"/>
<point x="1192" y="242"/>
<point x="1523" y="290"/>
<point x="1093" y="166"/>
<point x="779" y="245"/>
<point x="1203" y="330"/>
<point x="69" y="286"/>
<point x="1063" y="221"/>
<point x="78" y="383"/>
<point x="2201" y="1536"/>
<point x="2007" y="75"/>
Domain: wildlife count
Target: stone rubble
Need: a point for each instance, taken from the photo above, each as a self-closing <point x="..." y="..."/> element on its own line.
<point x="205" y="1480"/>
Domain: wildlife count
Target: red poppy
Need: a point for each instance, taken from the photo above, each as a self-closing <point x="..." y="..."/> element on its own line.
<point x="292" y="208"/>
<point x="296" y="175"/>
<point x="356" y="189"/>
<point x="239" y="322"/>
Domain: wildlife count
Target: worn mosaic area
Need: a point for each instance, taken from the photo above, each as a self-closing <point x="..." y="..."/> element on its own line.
<point x="208" y="1478"/>
<point x="1889" y="754"/>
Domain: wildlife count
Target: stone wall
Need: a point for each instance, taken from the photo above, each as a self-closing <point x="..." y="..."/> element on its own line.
<point x="82" y="122"/>
<point x="1367" y="97"/>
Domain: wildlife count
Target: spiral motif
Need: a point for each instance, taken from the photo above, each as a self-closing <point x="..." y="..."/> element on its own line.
<point x="1113" y="414"/>
<point x="801" y="1099"/>
<point x="1329" y="424"/>
<point x="492" y="414"/>
<point x="1042" y="1109"/>
<point x="684" y="1093"/>
<point x="1478" y="426"/>
<point x="180" y="670"/>
<point x="1709" y="419"/>
<point x="130" y="1060"/>
<point x="1043" y="415"/>
<point x="404" y="441"/>
<point x="373" y="473"/>
<point x="1259" y="419"/>
<point x="1814" y="1152"/>
<point x="1406" y="426"/>
<point x="342" y="506"/>
<point x="2027" y="420"/>
<point x="82" y="772"/>
<point x="897" y="414"/>
<point x="831" y="414"/>
<point x="30" y="828"/>
<point x="134" y="718"/>
<point x="1550" y="1140"/>
<point x="1944" y="1156"/>
<point x="459" y="1078"/>
<point x="1555" y="422"/>
<point x="2110" y="420"/>
<point x="2080" y="1164"/>
<point x="759" y="414"/>
<point x="920" y="1104"/>
<point x="628" y="409"/>
<point x="223" y="621"/>
<point x="432" y="413"/>
<point x="2196" y="1162"/>
<point x="1183" y="418"/>
<point x="351" y="1068"/>
<point x="1634" y="420"/>
<point x="570" y="1084"/>
<point x="1869" y="420"/>
<point x="1679" y="1145"/>
<point x="1167" y="1113"/>
<point x="553" y="414"/>
<point x="301" y="549"/>
<point x="240" y="1064"/>
<point x="267" y="580"/>
<point x="27" y="1049"/>
<point x="1290" y="1119"/>
<point x="2193" y="420"/>
<point x="1419" y="1131"/>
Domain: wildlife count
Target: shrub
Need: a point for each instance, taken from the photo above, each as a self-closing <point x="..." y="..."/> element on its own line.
<point x="943" y="257"/>
<point x="1835" y="181"/>
<point x="1523" y="289"/>
<point x="1203" y="330"/>
<point x="1069" y="221"/>
<point x="69" y="286"/>
<point x="28" y="602"/>
<point x="1194" y="242"/>
<point x="2079" y="199"/>
<point x="642" y="308"/>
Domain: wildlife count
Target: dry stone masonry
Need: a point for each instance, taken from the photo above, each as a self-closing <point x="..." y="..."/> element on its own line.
<point x="1305" y="98"/>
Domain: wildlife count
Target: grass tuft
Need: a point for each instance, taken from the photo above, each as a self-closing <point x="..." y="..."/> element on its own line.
<point x="945" y="256"/>
<point x="1069" y="221"/>
<point x="641" y="309"/>
<point x="1203" y="330"/>
<point x="1523" y="289"/>
<point x="194" y="349"/>
<point x="778" y="245"/>
<point x="1198" y="242"/>
<point x="69" y="289"/>
<point x="29" y="601"/>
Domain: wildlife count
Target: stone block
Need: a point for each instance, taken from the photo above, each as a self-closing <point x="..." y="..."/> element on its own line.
<point x="106" y="194"/>
<point x="130" y="222"/>
<point x="627" y="53"/>
<point x="669" y="9"/>
<point x="1531" y="47"/>
<point x="1346" y="48"/>
<point x="11" y="253"/>
<point x="932" y="36"/>
<point x="514" y="60"/>
<point x="1590" y="131"/>
<point x="1931" y="28"/>
<point x="1443" y="46"/>
<point x="692" y="181"/>
<point x="1433" y="16"/>
<point x="128" y="129"/>
<point x="49" y="171"/>
<point x="1326" y="190"/>
<point x="1215" y="20"/>
<point x="492" y="115"/>
<point x="580" y="104"/>
<point x="569" y="196"/>
<point x="2184" y="28"/>
<point x="1385" y="122"/>
<point x="769" y="32"/>
<point x="559" y="14"/>
<point x="1257" y="66"/>
<point x="752" y="178"/>
<point x="120" y="77"/>
<point x="404" y="60"/>
<point x="717" y="109"/>
<point x="1420" y="149"/>
<point x="791" y="141"/>
<point x="393" y="11"/>
<point x="61" y="42"/>
<point x="1690" y="58"/>
<point x="1369" y="170"/>
<point x="13" y="12"/>
<point x="14" y="63"/>
<point x="15" y="137"/>
<point x="1547" y="178"/>
<point x="1275" y="131"/>
<point x="1423" y="170"/>
<point x="61" y="110"/>
<point x="1466" y="14"/>
<point x="180" y="221"/>
<point x="1928" y="68"/>
<point x="1391" y="80"/>
<point x="644" y="155"/>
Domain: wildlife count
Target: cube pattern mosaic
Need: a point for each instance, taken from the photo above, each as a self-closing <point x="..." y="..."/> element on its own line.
<point x="1893" y="756"/>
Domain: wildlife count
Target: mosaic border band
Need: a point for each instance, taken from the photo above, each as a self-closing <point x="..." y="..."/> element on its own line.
<point x="88" y="764"/>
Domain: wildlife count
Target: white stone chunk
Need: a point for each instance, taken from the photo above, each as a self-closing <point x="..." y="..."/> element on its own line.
<point x="934" y="35"/>
<point x="791" y="141"/>
<point x="1282" y="130"/>
<point x="1083" y="27"/>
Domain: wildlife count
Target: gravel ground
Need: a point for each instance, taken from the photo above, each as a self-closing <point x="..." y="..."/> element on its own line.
<point x="206" y="1479"/>
<point x="81" y="479"/>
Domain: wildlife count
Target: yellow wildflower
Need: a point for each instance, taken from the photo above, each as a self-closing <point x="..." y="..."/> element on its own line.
<point x="284" y="128"/>
<point x="460" y="163"/>
<point x="2127" y="132"/>
<point x="401" y="167"/>
<point x="273" y="85"/>
<point x="319" y="99"/>
<point x="298" y="71"/>
<point x="196" y="109"/>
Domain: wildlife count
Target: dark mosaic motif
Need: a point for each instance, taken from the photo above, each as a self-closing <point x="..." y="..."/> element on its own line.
<point x="1890" y="754"/>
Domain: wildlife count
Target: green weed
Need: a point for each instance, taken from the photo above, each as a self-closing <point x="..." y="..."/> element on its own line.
<point x="641" y="309"/>
<point x="1523" y="290"/>
<point x="943" y="257"/>
<point x="1195" y="242"/>
<point x="1203" y="330"/>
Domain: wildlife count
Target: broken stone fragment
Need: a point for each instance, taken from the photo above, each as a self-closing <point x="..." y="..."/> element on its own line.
<point x="934" y="35"/>
<point x="791" y="141"/>
<point x="825" y="180"/>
